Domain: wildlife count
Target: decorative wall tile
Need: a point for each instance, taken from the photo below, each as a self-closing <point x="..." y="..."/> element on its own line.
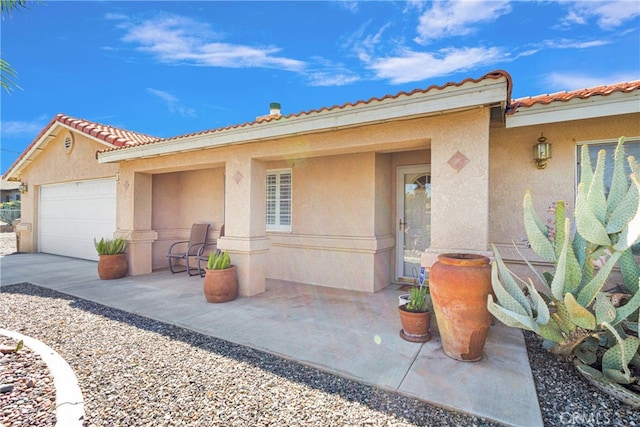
<point x="458" y="161"/>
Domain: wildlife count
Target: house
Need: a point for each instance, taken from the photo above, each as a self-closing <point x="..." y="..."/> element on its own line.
<point x="9" y="191"/>
<point x="355" y="196"/>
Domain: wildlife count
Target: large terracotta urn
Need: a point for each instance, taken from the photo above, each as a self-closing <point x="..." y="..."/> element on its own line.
<point x="112" y="266"/>
<point x="220" y="285"/>
<point x="459" y="286"/>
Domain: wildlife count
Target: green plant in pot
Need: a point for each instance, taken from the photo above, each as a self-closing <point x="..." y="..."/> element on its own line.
<point x="112" y="263"/>
<point x="415" y="315"/>
<point x="220" y="280"/>
<point x="573" y="308"/>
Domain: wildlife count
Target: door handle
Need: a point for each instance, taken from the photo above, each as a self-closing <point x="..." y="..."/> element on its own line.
<point x="402" y="224"/>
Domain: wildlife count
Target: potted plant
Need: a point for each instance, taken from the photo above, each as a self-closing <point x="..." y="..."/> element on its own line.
<point x="220" y="280"/>
<point x="415" y="315"/>
<point x="113" y="259"/>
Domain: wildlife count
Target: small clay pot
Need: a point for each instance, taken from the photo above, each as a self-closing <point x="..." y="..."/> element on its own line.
<point x="415" y="325"/>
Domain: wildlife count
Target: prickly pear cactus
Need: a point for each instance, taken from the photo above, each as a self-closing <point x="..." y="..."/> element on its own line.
<point x="569" y="309"/>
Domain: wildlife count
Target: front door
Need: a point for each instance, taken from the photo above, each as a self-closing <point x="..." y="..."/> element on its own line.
<point x="413" y="219"/>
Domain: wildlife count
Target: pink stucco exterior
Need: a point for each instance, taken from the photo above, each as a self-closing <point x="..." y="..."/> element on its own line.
<point x="343" y="165"/>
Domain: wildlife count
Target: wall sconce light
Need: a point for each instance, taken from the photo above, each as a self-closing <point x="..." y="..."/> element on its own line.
<point x="542" y="152"/>
<point x="23" y="187"/>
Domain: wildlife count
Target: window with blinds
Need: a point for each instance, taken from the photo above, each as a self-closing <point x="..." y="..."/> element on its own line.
<point x="631" y="148"/>
<point x="279" y="200"/>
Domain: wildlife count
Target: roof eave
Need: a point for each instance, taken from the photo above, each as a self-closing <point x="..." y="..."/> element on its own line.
<point x="576" y="109"/>
<point x="470" y="95"/>
<point x="14" y="173"/>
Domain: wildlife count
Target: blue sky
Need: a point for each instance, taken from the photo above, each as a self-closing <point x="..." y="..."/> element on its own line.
<point x="169" y="68"/>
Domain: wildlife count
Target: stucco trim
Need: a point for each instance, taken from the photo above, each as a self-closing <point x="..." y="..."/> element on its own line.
<point x="334" y="243"/>
<point x="469" y="95"/>
<point x="576" y="109"/>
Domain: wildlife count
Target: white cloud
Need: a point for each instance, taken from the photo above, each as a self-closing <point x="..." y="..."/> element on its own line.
<point x="365" y="46"/>
<point x="413" y="66"/>
<point x="573" y="81"/>
<point x="456" y="18"/>
<point x="560" y="44"/>
<point x="30" y="128"/>
<point x="573" y="44"/>
<point x="173" y="104"/>
<point x="348" y="5"/>
<point x="180" y="40"/>
<point x="330" y="73"/>
<point x="325" y="78"/>
<point x="609" y="15"/>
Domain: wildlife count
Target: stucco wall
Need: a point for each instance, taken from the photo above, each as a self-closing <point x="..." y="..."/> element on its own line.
<point x="181" y="199"/>
<point x="332" y="235"/>
<point x="513" y="171"/>
<point x="343" y="231"/>
<point x="55" y="165"/>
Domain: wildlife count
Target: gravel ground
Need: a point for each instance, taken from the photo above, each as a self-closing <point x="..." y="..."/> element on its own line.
<point x="7" y="243"/>
<point x="26" y="388"/>
<point x="135" y="371"/>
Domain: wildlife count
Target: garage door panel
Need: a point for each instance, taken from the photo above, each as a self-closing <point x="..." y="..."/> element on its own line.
<point x="73" y="214"/>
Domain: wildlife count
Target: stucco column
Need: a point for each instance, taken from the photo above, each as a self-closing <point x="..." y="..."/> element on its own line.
<point x="25" y="230"/>
<point x="460" y="188"/>
<point x="133" y="219"/>
<point x="245" y="226"/>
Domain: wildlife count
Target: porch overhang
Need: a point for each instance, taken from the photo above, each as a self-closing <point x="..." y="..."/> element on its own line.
<point x="468" y="95"/>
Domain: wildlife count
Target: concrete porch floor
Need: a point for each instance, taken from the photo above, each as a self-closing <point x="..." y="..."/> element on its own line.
<point x="351" y="334"/>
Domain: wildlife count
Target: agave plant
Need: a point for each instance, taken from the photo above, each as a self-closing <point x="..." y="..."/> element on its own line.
<point x="219" y="260"/>
<point x="110" y="246"/>
<point x="570" y="309"/>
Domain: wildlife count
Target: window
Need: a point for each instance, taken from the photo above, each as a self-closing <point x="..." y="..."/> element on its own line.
<point x="279" y="200"/>
<point x="631" y="148"/>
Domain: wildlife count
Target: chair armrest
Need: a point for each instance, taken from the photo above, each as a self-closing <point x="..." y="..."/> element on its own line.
<point x="202" y="249"/>
<point x="195" y="245"/>
<point x="176" y="243"/>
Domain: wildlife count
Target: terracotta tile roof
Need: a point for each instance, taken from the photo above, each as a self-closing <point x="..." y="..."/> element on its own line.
<point x="605" y="90"/>
<point x="112" y="135"/>
<point x="272" y="118"/>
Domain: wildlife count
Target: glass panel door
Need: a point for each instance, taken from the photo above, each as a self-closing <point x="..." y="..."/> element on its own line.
<point x="413" y="233"/>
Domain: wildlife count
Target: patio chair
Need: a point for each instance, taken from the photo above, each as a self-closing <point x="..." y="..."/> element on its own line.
<point x="197" y="239"/>
<point x="204" y="251"/>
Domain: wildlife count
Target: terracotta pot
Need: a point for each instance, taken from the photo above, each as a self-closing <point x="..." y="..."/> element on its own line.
<point x="459" y="285"/>
<point x="112" y="266"/>
<point x="221" y="285"/>
<point x="415" y="325"/>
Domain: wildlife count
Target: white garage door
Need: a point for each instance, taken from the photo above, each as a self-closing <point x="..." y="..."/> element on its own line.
<point x="73" y="214"/>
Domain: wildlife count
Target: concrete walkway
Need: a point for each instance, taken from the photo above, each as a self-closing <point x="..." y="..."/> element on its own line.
<point x="351" y="334"/>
